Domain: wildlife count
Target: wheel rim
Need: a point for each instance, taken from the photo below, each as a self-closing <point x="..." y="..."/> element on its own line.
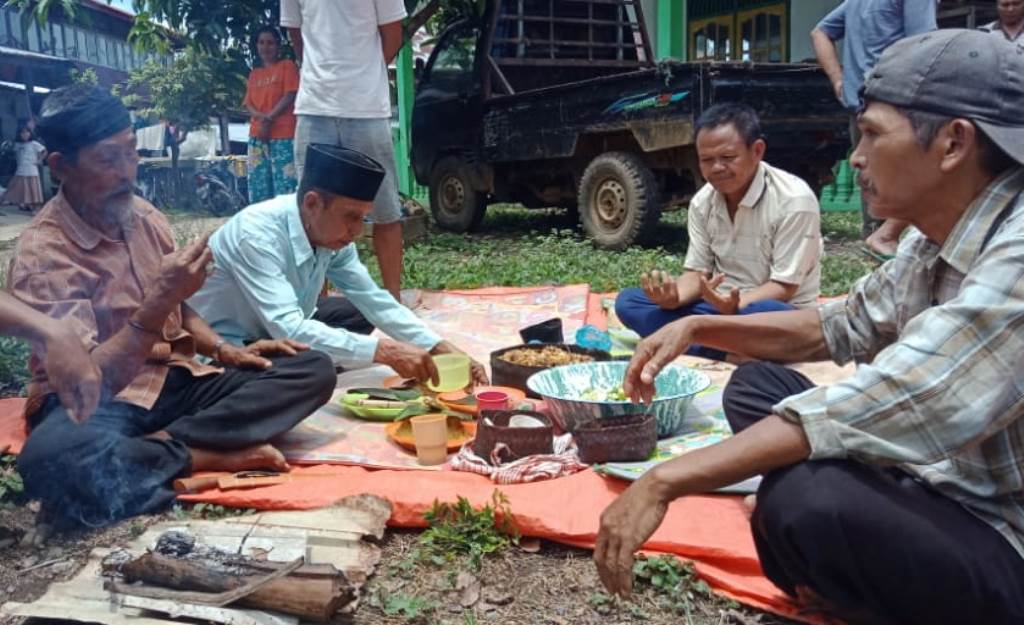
<point x="610" y="204"/>
<point x="453" y="195"/>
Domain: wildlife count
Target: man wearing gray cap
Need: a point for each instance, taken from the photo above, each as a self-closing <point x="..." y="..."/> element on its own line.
<point x="895" y="495"/>
<point x="272" y="258"/>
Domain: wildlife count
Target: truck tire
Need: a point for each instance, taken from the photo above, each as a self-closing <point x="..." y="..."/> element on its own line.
<point x="455" y="204"/>
<point x="619" y="201"/>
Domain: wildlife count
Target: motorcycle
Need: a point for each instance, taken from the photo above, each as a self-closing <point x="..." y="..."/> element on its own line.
<point x="217" y="191"/>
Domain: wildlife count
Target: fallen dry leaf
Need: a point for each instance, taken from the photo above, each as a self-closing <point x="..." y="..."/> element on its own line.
<point x="469" y="589"/>
<point x="496" y="596"/>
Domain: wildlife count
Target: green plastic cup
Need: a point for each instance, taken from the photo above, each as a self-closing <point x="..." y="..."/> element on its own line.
<point x="452" y="372"/>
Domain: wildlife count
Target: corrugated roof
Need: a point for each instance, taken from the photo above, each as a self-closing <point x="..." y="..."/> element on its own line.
<point x="4" y="50"/>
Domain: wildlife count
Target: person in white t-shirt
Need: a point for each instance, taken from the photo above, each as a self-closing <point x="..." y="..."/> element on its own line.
<point x="344" y="99"/>
<point x="25" y="188"/>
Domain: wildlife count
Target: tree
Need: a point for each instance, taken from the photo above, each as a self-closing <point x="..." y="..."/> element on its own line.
<point x="195" y="87"/>
<point x="220" y="25"/>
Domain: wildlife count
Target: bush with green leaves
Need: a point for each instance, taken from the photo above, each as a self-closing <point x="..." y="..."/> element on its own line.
<point x="459" y="529"/>
<point x="14" y="374"/>
<point x="12" y="488"/>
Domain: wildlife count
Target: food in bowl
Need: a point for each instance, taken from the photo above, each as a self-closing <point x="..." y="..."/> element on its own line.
<point x="562" y="389"/>
<point x="604" y="394"/>
<point x="548" y="356"/>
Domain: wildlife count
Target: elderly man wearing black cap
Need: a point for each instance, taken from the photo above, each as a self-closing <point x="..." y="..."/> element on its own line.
<point x="104" y="263"/>
<point x="272" y="259"/>
<point x="896" y="495"/>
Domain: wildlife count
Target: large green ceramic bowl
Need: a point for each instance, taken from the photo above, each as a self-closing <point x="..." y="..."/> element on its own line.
<point x="563" y="389"/>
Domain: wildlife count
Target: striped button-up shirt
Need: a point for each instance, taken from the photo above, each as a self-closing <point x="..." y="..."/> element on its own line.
<point x="938" y="334"/>
<point x="68" y="270"/>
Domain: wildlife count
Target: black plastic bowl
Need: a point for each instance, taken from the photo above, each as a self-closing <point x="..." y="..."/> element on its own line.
<point x="504" y="373"/>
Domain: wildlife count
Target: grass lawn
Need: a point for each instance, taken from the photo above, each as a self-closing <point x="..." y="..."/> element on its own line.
<point x="519" y="247"/>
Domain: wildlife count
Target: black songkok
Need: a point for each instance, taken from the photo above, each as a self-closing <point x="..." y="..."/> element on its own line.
<point x="342" y="171"/>
<point x="78" y="116"/>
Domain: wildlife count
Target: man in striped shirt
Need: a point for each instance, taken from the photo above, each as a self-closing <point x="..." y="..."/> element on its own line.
<point x="896" y="495"/>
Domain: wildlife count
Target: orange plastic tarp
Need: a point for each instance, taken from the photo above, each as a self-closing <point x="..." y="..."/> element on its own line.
<point x="712" y="531"/>
<point x="12" y="424"/>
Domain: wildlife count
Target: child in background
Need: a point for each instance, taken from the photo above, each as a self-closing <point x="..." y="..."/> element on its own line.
<point x="25" y="189"/>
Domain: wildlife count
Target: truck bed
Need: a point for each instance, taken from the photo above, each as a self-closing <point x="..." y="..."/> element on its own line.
<point x="659" y="106"/>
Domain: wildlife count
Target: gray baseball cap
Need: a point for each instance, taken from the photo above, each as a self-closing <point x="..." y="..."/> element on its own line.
<point x="959" y="73"/>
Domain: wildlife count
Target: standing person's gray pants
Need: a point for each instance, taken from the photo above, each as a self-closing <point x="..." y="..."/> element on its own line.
<point x="372" y="137"/>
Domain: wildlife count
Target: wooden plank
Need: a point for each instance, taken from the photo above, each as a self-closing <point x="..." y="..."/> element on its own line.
<point x="332" y="536"/>
<point x="226" y="616"/>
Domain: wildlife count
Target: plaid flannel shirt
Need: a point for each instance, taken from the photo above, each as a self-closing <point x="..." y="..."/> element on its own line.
<point x="938" y="334"/>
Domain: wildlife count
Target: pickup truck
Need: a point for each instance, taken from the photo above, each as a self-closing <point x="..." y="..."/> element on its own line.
<point x="559" y="103"/>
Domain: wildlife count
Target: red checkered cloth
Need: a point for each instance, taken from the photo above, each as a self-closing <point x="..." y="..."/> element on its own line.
<point x="564" y="461"/>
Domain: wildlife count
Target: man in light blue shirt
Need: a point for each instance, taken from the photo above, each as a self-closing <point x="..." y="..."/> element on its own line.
<point x="867" y="28"/>
<point x="272" y="258"/>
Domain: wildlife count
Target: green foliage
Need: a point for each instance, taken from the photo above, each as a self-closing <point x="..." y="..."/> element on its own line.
<point x="511" y="250"/>
<point x="400" y="604"/>
<point x="840" y="226"/>
<point x="208" y="511"/>
<point x="40" y="9"/>
<point x="12" y="488"/>
<point x="455" y="261"/>
<point x="14" y="353"/>
<point x="840" y="271"/>
<point x="674" y="583"/>
<point x="195" y="87"/>
<point x="85" y="77"/>
<point x="212" y="26"/>
<point x="460" y="530"/>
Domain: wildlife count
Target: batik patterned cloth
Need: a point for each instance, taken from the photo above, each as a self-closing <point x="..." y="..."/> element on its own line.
<point x="271" y="168"/>
<point x="564" y="461"/>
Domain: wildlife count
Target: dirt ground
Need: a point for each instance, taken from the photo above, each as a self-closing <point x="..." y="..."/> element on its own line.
<point x="557" y="585"/>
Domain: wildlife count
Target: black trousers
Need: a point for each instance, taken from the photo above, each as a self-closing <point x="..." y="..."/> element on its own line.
<point x="338" y="312"/>
<point x="872" y="540"/>
<point x="106" y="469"/>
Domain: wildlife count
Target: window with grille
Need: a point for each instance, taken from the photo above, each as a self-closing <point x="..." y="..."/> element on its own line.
<point x="758" y="34"/>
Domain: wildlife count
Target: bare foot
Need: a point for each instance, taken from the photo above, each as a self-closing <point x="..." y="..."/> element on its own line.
<point x="749" y="503"/>
<point x="249" y="458"/>
<point x="886" y="239"/>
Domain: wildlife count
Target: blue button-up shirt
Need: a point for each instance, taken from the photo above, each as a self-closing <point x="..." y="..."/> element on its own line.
<point x="267" y="278"/>
<point x="867" y="28"/>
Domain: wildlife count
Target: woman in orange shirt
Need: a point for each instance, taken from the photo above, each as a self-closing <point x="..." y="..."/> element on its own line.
<point x="269" y="97"/>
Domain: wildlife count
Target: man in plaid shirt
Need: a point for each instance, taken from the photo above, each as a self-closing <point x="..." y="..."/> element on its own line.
<point x="896" y="495"/>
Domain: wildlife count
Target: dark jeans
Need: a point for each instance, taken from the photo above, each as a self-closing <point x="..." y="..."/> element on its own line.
<point x="644" y="317"/>
<point x="871" y="539"/>
<point x="106" y="469"/>
<point x="338" y="312"/>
